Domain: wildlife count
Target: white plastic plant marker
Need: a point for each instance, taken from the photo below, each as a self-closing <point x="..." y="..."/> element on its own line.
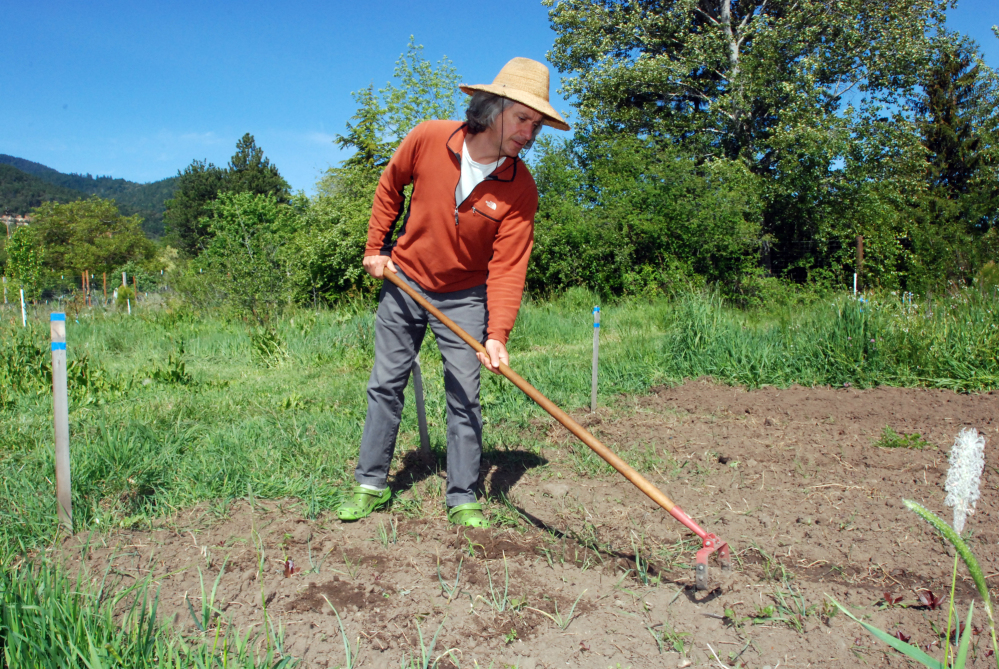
<point x="60" y="414"/>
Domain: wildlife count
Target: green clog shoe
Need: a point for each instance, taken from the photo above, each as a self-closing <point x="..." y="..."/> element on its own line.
<point x="362" y="503"/>
<point x="469" y="515"/>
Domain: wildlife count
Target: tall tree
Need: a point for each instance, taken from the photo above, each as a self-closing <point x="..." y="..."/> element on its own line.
<point x="365" y="133"/>
<point x="957" y="114"/>
<point x="958" y="122"/>
<point x="331" y="242"/>
<point x="422" y="91"/>
<point x="250" y="172"/>
<point x="766" y="82"/>
<point x="200" y="184"/>
<point x="197" y="187"/>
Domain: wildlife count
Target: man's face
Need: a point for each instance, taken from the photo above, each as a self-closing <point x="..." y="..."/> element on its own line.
<point x="514" y="127"/>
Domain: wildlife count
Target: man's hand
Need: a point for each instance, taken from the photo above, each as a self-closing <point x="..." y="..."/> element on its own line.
<point x="497" y="354"/>
<point x="375" y="265"/>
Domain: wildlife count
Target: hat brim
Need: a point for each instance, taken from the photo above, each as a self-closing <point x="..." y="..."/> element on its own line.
<point x="551" y="117"/>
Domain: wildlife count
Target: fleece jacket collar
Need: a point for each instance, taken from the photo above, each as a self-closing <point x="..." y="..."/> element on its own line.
<point x="457" y="140"/>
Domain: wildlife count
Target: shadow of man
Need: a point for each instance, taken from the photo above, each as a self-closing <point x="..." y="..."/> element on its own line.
<point x="499" y="471"/>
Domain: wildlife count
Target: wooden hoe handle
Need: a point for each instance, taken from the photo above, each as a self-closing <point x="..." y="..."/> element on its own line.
<point x="584" y="435"/>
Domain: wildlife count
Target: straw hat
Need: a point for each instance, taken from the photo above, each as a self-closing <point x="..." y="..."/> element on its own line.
<point x="525" y="81"/>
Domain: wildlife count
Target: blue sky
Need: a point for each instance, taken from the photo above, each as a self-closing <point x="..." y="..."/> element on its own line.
<point x="140" y="89"/>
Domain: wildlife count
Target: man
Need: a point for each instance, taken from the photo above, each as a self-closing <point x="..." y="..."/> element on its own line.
<point x="464" y="245"/>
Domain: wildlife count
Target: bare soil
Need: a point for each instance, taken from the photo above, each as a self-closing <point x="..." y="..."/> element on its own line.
<point x="790" y="478"/>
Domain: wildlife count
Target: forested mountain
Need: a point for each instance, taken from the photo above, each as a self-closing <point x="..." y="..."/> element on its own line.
<point x="146" y="200"/>
<point x="21" y="192"/>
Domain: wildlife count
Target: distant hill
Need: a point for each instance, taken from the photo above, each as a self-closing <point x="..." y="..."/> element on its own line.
<point x="146" y="200"/>
<point x="21" y="192"/>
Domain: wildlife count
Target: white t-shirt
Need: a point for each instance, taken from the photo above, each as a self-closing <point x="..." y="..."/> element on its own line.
<point x="472" y="174"/>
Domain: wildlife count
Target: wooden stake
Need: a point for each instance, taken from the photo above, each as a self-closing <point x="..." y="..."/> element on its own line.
<point x="24" y="313"/>
<point x="105" y="275"/>
<point x="135" y="285"/>
<point x="60" y="411"/>
<point x="421" y="408"/>
<point x="596" y="354"/>
<point x="860" y="262"/>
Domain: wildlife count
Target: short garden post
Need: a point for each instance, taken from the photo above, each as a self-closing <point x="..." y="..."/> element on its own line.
<point x="24" y="313"/>
<point x="860" y="262"/>
<point x="596" y="353"/>
<point x="105" y="275"/>
<point x="421" y="408"/>
<point x="60" y="411"/>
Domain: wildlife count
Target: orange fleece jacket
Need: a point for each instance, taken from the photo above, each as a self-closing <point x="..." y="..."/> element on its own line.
<point x="444" y="247"/>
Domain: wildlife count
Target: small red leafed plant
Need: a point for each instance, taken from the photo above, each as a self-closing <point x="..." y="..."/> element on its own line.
<point x="290" y="569"/>
<point x="902" y="636"/>
<point x="891" y="600"/>
<point x="929" y="600"/>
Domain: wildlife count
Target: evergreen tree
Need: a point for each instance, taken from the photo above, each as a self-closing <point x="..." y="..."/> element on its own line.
<point x="250" y="172"/>
<point x="958" y="126"/>
<point x="199" y="185"/>
<point x="956" y="115"/>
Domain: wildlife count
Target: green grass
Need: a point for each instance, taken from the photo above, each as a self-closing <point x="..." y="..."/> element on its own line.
<point x="48" y="620"/>
<point x="169" y="409"/>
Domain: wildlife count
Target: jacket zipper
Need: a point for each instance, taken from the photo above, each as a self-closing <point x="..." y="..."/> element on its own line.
<point x="488" y="178"/>
<point x="484" y="215"/>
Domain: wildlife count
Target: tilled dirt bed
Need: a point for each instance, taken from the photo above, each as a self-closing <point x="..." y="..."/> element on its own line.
<point x="790" y="478"/>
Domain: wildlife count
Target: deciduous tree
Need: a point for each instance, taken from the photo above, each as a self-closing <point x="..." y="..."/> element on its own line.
<point x="795" y="89"/>
<point x="88" y="235"/>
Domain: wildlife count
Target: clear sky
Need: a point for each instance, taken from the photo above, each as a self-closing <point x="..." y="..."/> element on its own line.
<point x="140" y="89"/>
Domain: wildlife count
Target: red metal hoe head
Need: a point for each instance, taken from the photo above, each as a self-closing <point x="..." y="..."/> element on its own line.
<point x="712" y="544"/>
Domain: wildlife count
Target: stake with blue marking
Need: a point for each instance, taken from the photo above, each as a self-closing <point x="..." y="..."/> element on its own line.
<point x="60" y="411"/>
<point x="596" y="353"/>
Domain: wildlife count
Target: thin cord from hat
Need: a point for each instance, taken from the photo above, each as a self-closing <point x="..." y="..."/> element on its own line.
<point x="499" y="151"/>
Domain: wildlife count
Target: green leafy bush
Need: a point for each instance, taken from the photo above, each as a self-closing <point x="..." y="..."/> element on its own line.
<point x="622" y="215"/>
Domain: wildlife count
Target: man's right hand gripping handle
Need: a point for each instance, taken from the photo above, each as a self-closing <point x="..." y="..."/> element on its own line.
<point x="375" y="265"/>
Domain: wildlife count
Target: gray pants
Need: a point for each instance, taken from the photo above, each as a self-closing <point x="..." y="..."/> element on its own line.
<point x="399" y="329"/>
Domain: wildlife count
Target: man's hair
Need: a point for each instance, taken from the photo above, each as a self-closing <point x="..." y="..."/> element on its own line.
<point x="483" y="109"/>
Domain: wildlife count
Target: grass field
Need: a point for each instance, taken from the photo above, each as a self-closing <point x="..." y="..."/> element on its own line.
<point x="169" y="409"/>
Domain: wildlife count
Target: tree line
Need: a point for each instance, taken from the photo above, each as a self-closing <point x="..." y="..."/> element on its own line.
<point x="741" y="144"/>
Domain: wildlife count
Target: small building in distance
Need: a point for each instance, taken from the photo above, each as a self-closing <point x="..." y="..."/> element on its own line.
<point x="14" y="221"/>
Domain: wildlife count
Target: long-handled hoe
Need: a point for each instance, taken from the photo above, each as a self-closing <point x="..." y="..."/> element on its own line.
<point x="710" y="542"/>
